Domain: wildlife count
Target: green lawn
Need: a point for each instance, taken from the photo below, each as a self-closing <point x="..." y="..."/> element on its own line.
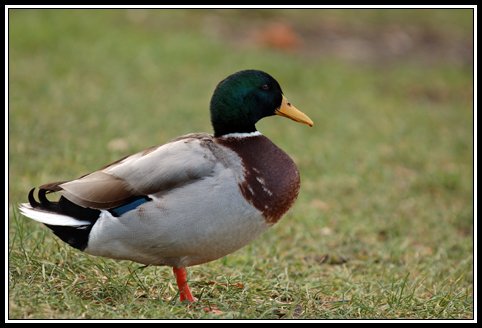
<point x="383" y="227"/>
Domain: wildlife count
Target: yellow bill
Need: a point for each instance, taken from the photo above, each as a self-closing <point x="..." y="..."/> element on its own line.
<point x="290" y="111"/>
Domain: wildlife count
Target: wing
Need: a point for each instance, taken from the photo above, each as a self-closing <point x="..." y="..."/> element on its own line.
<point x="154" y="170"/>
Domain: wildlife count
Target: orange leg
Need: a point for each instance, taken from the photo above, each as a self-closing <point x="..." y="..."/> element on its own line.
<point x="181" y="279"/>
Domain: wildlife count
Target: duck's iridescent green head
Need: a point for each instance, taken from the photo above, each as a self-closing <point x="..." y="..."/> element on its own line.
<point x="245" y="97"/>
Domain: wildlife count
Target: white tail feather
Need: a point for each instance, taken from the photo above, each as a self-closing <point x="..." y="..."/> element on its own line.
<point x="49" y="217"/>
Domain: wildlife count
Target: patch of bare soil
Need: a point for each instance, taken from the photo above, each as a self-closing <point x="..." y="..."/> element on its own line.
<point x="365" y="43"/>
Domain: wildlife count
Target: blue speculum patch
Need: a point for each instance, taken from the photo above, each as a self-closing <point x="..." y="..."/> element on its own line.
<point x="133" y="204"/>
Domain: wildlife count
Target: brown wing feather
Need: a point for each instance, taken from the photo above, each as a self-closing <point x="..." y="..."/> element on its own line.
<point x="97" y="190"/>
<point x="52" y="186"/>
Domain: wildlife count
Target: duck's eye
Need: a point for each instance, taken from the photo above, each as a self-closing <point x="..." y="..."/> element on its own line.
<point x="265" y="87"/>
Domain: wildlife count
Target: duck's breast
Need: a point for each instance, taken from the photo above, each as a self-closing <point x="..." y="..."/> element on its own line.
<point x="271" y="179"/>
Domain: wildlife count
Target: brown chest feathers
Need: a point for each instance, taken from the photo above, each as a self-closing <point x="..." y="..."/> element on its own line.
<point x="272" y="180"/>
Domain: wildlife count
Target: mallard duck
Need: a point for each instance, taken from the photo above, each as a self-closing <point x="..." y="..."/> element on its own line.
<point x="192" y="200"/>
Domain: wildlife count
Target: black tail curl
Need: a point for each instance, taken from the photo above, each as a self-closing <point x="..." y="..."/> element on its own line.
<point x="62" y="206"/>
<point x="77" y="236"/>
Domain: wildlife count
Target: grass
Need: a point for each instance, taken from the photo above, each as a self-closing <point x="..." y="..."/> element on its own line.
<point x="383" y="227"/>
